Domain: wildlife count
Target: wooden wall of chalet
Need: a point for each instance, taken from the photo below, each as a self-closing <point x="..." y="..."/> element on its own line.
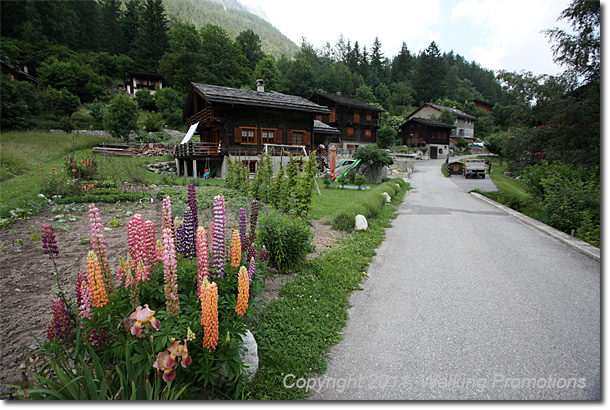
<point x="432" y="135"/>
<point x="356" y="125"/>
<point x="283" y="123"/>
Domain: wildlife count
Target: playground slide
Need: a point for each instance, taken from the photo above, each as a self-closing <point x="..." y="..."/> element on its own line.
<point x="350" y="167"/>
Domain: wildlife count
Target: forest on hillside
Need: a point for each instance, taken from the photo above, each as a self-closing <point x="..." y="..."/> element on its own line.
<point x="80" y="51"/>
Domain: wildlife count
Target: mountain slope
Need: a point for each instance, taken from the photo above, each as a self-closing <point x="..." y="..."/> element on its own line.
<point x="234" y="18"/>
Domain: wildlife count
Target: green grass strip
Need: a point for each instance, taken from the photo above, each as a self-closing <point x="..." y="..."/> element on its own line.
<point x="296" y="331"/>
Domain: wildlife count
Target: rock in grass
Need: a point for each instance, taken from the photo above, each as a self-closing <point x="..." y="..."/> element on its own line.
<point x="388" y="198"/>
<point x="361" y="223"/>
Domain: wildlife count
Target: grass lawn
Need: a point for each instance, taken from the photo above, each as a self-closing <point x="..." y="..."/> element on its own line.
<point x="296" y="331"/>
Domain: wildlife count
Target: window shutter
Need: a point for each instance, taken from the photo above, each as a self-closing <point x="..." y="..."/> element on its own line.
<point x="307" y="138"/>
<point x="277" y="138"/>
<point x="289" y="137"/>
<point x="237" y="135"/>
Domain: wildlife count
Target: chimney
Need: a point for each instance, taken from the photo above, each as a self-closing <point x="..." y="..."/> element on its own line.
<point x="260" y="86"/>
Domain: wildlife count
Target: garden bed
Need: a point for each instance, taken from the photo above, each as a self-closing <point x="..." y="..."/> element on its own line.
<point x="28" y="282"/>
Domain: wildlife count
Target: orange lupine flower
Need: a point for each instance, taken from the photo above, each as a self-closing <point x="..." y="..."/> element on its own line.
<point x="96" y="285"/>
<point x="235" y="250"/>
<point x="209" y="314"/>
<point x="244" y="291"/>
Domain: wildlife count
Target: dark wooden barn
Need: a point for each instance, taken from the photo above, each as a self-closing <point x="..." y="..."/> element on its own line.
<point x="356" y="121"/>
<point x="240" y="123"/>
<point x="422" y="130"/>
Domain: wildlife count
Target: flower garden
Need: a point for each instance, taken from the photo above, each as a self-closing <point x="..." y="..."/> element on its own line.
<point x="173" y="302"/>
<point x="164" y="312"/>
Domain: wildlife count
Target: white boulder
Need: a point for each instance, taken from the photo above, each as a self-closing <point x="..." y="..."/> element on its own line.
<point x="361" y="223"/>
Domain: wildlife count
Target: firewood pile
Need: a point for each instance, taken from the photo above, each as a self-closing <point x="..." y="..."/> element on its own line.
<point x="134" y="150"/>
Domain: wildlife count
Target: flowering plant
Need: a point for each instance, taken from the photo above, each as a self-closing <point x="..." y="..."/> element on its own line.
<point x="142" y="320"/>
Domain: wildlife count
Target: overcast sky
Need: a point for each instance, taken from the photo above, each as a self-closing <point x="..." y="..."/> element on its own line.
<point x="497" y="34"/>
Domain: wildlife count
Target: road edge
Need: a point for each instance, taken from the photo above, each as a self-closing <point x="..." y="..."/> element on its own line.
<point x="574" y="243"/>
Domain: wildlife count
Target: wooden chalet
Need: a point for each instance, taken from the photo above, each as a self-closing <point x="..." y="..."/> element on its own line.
<point x="484" y="105"/>
<point x="435" y="134"/>
<point x="243" y="123"/>
<point x="356" y="121"/>
<point x="464" y="123"/>
<point x="136" y="80"/>
<point x="16" y="74"/>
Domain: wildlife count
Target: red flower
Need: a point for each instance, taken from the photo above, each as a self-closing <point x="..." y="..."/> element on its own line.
<point x="52" y="169"/>
<point x="73" y="170"/>
<point x="41" y="169"/>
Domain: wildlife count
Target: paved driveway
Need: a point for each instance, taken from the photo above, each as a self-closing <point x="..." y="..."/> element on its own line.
<point x="464" y="301"/>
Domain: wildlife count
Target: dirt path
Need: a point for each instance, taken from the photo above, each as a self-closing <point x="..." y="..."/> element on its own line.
<point x="28" y="282"/>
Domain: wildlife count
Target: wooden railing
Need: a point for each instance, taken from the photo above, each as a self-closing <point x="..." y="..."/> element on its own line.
<point x="349" y="119"/>
<point x="197" y="149"/>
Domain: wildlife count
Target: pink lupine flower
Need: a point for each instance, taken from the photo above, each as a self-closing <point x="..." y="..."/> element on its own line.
<point x="143" y="318"/>
<point x="59" y="328"/>
<point x="165" y="363"/>
<point x="169" y="274"/>
<point x="202" y="257"/>
<point x="99" y="246"/>
<point x="218" y="238"/>
<point x="49" y="243"/>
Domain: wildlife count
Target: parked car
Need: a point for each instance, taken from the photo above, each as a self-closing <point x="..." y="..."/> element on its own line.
<point x="475" y="167"/>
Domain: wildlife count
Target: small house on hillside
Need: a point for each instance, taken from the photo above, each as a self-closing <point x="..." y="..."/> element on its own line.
<point x="484" y="105"/>
<point x="356" y="121"/>
<point x="17" y="74"/>
<point x="136" y="80"/>
<point x="243" y="123"/>
<point x="464" y="123"/>
<point x="434" y="133"/>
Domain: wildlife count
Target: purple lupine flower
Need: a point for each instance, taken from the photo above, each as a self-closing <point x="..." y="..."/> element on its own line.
<point x="59" y="328"/>
<point x="49" y="243"/>
<point x="263" y="254"/>
<point x="187" y="237"/>
<point x="242" y="229"/>
<point x="252" y="252"/>
<point x="192" y="203"/>
<point x="251" y="269"/>
<point x="218" y="240"/>
<point x="253" y="221"/>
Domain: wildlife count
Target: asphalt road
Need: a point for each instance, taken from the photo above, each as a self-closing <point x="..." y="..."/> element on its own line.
<point x="465" y="302"/>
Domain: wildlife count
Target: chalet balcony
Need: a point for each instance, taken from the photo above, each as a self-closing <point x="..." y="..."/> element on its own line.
<point x="348" y="119"/>
<point x="197" y="149"/>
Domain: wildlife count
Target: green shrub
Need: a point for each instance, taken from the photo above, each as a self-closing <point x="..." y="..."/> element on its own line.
<point x="153" y="122"/>
<point x="58" y="183"/>
<point x="287" y="240"/>
<point x="359" y="180"/>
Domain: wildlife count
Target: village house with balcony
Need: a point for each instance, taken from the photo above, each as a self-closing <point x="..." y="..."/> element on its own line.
<point x="240" y="123"/>
<point x="356" y="121"/>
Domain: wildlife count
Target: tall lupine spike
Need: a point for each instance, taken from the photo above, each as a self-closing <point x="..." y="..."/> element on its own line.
<point x="242" y="230"/>
<point x="83" y="296"/>
<point x="251" y="269"/>
<point x="235" y="250"/>
<point x="59" y="328"/>
<point x="99" y="247"/>
<point x="135" y="238"/>
<point x="252" y="252"/>
<point x="243" y="291"/>
<point x="203" y="261"/>
<point x="96" y="284"/>
<point x="159" y="251"/>
<point x="166" y="212"/>
<point x="150" y="245"/>
<point x="169" y="274"/>
<point x="192" y="203"/>
<point x="218" y="240"/>
<point x="209" y="314"/>
<point x="264" y="254"/>
<point x="186" y="241"/>
<point x="253" y="220"/>
<point x="49" y="243"/>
